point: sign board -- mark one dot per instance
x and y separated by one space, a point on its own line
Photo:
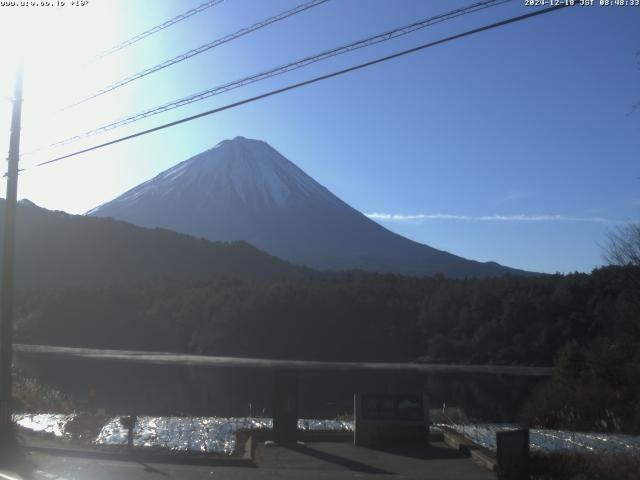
390 418
392 407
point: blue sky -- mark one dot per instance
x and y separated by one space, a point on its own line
516 145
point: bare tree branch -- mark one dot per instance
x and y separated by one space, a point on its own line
623 246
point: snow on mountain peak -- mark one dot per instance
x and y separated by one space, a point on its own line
250 169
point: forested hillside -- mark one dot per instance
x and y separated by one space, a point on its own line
55 250
509 320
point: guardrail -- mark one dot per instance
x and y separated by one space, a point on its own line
167 358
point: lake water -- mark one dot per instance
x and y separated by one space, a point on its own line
186 434
217 435
554 440
154 390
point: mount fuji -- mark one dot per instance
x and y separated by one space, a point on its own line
244 189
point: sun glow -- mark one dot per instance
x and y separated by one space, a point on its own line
58 45
56 42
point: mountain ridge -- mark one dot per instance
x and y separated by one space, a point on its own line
59 250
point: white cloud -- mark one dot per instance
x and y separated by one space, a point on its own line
401 217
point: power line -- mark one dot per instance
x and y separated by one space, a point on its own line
137 38
375 39
281 16
203 48
313 80
157 28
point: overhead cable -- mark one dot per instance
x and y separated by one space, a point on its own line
309 82
375 39
202 48
158 28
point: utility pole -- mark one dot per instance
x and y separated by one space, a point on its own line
6 298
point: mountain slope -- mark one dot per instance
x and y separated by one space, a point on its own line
245 190
55 249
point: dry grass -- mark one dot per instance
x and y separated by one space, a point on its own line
31 396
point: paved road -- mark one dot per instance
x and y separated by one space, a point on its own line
313 461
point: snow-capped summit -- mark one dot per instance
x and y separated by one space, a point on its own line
244 189
249 170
